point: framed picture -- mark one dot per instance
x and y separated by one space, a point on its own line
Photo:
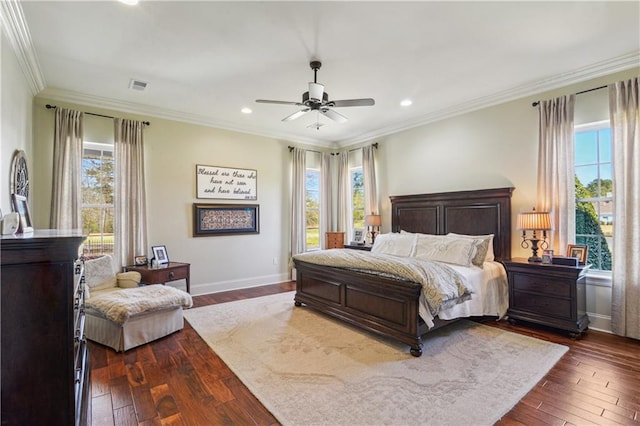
358 236
577 251
160 254
225 219
21 206
547 257
140 260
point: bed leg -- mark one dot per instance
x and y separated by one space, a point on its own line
416 350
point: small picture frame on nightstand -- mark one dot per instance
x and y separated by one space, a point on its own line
547 257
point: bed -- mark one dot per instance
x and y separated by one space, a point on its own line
389 306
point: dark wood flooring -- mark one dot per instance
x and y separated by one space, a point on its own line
179 380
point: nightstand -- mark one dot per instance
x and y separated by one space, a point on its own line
551 295
364 247
163 273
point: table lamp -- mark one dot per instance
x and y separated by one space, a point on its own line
534 221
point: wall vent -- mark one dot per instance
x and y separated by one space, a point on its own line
137 84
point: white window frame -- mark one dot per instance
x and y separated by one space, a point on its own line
596 277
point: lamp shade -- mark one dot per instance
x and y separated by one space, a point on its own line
538 221
373 220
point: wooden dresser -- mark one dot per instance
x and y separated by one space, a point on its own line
335 240
45 362
552 295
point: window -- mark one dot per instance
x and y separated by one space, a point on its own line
594 192
312 209
357 197
98 178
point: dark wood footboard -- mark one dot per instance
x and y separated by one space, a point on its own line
381 305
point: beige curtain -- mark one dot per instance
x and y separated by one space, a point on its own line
66 194
625 126
556 179
370 180
130 211
298 192
345 209
326 204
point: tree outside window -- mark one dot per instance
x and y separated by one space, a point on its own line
594 194
312 209
98 179
357 198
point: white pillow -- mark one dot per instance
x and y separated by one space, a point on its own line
490 256
99 273
441 248
395 244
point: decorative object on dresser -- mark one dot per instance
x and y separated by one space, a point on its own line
45 360
335 240
534 221
122 315
19 175
358 236
373 222
389 306
171 271
552 295
579 252
21 206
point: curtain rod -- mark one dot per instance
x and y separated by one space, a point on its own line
375 145
536 103
97 115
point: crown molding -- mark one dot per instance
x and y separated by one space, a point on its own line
17 32
68 96
599 69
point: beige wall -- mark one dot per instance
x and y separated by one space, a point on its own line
15 119
172 150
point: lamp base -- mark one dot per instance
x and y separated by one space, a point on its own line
534 259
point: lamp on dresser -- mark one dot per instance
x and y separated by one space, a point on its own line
373 222
535 222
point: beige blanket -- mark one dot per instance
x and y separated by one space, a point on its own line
442 286
120 304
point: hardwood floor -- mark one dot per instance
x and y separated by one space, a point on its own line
179 380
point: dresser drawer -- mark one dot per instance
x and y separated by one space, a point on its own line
541 284
541 304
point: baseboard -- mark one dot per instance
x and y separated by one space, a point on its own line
208 288
599 322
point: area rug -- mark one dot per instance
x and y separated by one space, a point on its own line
308 369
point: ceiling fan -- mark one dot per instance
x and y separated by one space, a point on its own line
316 99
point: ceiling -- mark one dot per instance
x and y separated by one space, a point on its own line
206 60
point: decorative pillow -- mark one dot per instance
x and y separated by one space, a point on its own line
99 273
129 279
441 248
395 244
489 237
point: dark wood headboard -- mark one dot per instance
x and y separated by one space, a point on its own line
479 212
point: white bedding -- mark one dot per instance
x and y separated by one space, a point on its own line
490 294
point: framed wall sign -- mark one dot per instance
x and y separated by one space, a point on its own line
225 219
225 183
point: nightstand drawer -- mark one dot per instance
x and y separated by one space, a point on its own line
543 305
541 284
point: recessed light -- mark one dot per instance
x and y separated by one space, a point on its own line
129 2
246 110
406 102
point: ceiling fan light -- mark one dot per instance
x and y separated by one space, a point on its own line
316 90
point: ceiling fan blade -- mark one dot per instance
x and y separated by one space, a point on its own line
333 115
266 101
296 114
352 102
